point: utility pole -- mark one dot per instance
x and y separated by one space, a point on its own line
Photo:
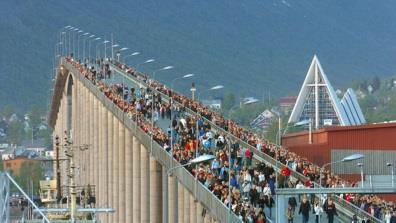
58 173
72 186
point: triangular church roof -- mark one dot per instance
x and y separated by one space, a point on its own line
317 77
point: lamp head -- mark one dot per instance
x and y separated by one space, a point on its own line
149 61
389 164
216 87
303 122
167 68
202 158
188 75
353 157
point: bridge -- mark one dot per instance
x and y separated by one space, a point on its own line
126 161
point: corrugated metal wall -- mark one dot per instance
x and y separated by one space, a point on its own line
377 142
374 162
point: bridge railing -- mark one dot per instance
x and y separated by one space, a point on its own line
211 203
259 155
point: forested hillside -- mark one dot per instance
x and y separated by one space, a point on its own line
253 47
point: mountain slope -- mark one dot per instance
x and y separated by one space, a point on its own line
251 47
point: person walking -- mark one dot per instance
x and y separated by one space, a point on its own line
305 208
330 209
289 214
318 210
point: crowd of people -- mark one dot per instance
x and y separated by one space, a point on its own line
192 134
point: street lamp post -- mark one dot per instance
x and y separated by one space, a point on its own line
361 165
197 160
171 104
145 62
89 47
119 53
305 122
74 41
392 172
152 105
78 44
85 37
104 42
217 87
130 55
349 158
112 50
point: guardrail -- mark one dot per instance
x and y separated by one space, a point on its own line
258 155
217 208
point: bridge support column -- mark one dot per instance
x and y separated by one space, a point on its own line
96 148
193 210
105 148
155 191
91 140
116 182
200 218
110 150
165 196
180 202
145 185
121 172
100 193
186 205
136 180
85 136
128 176
172 204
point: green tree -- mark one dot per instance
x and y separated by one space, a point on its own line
30 172
35 117
376 83
272 130
7 111
15 132
228 101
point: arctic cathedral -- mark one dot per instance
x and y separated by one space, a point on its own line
318 103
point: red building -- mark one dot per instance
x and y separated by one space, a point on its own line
376 141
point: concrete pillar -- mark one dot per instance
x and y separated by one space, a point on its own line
121 172
193 210
155 191
145 185
101 182
128 176
180 202
136 180
165 196
90 137
172 197
115 169
91 140
96 147
207 218
105 141
186 206
200 218
110 150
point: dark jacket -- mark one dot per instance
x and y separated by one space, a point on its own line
305 208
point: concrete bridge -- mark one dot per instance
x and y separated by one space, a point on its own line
128 168
127 175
